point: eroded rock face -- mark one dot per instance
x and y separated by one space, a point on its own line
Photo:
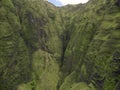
118 3
43 47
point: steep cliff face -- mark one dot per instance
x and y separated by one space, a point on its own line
43 47
92 54
14 54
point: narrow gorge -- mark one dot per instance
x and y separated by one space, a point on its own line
74 47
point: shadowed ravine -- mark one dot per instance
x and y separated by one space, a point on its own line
43 47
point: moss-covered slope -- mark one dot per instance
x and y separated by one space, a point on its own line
43 47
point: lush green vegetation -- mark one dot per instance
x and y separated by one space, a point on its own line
43 47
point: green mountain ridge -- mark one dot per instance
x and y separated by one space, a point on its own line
43 47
